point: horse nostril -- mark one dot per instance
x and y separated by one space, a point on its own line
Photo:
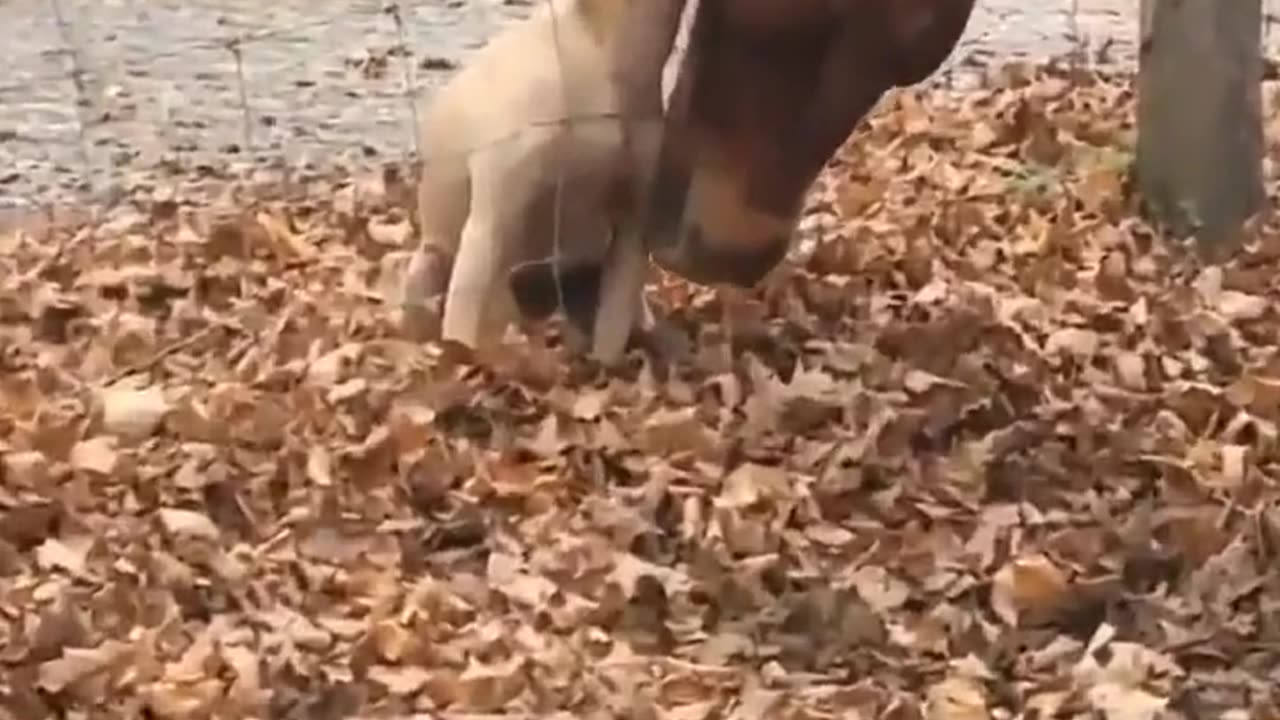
705 262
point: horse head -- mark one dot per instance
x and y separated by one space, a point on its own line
766 93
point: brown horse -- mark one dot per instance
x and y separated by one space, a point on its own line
767 92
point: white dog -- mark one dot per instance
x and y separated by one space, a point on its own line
533 169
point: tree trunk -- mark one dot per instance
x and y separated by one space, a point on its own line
1200 142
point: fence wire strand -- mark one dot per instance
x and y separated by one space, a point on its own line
269 98
407 75
76 75
562 73
235 47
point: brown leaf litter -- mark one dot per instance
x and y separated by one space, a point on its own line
988 449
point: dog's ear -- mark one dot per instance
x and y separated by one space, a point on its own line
533 285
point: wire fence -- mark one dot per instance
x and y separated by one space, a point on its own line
97 94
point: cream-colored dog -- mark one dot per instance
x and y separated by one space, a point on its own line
534 164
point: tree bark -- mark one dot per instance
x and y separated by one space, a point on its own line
1200 143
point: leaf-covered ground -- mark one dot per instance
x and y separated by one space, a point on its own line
988 448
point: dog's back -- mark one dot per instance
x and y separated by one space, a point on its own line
513 96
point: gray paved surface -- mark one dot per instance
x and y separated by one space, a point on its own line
321 78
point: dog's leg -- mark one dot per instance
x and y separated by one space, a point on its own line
641 52
422 290
625 309
475 271
471 308
622 302
637 69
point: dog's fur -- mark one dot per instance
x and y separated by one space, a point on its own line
530 178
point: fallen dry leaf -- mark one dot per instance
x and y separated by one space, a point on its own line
986 447
188 524
132 413
96 455
1028 587
956 698
79 664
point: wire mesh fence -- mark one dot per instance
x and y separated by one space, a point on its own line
97 93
